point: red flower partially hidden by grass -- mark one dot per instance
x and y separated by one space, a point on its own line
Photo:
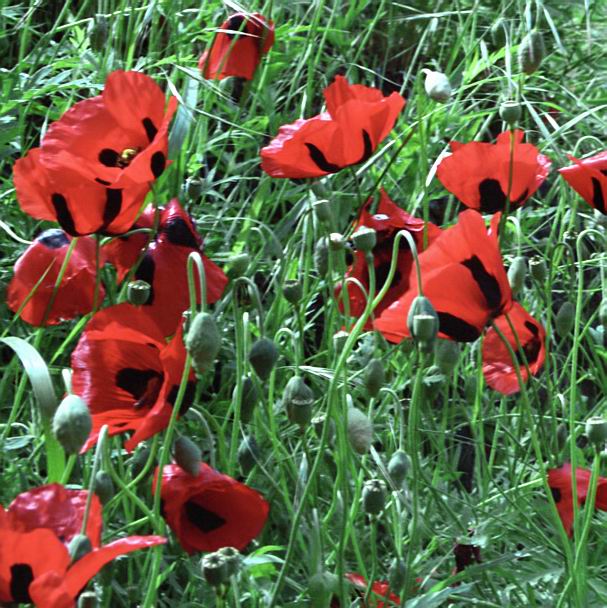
127 374
560 481
211 510
95 164
379 591
42 260
164 264
588 177
357 120
35 565
238 47
498 368
479 174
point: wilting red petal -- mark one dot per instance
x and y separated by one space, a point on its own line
588 177
479 174
212 510
44 258
237 50
379 588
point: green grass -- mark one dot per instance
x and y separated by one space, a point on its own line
313 479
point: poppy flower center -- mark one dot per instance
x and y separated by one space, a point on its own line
22 576
143 384
121 160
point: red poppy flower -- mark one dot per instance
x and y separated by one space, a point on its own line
164 264
379 590
95 164
43 260
35 565
357 120
464 278
388 220
211 510
498 367
588 177
478 173
127 374
560 481
238 47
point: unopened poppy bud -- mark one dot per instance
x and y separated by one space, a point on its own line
138 292
427 324
446 355
339 340
538 269
140 459
298 400
510 112
498 33
565 319
98 32
249 397
292 291
321 256
187 455
603 313
397 574
263 357
248 454
72 423
360 431
203 341
437 86
517 273
233 559
399 466
323 211
364 239
531 52
88 599
103 487
321 586
596 430
79 546
214 569
239 264
374 496
562 434
194 187
374 377
336 241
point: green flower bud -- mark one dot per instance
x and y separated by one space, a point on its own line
517 273
425 328
397 574
364 239
437 86
336 241
510 112
233 559
72 423
374 377
339 340
139 460
248 454
248 399
432 382
103 487
323 211
360 431
203 341
321 587
194 187
531 52
88 599
98 32
292 291
214 569
321 256
374 496
603 313
596 430
538 269
498 33
446 355
263 357
79 546
399 466
298 400
138 292
565 318
187 455
239 264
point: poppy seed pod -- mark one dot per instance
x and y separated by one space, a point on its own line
233 559
538 269
446 355
187 455
292 291
531 52
138 292
298 399
321 255
203 341
596 431
510 112
72 423
88 599
498 33
365 239
214 569
428 323
263 357
336 241
437 86
517 273
103 487
79 546
360 431
565 319
374 377
374 496
239 264
248 399
248 454
399 466
603 313
397 574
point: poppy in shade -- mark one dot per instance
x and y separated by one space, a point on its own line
465 555
96 163
464 278
35 565
478 173
164 264
43 260
379 591
560 481
498 368
127 374
211 510
357 120
238 47
387 221
588 177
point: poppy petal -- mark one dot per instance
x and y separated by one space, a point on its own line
588 177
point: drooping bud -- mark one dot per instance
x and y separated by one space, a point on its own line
72 423
531 52
214 569
138 292
517 273
374 377
298 400
98 32
248 454
79 546
239 264
374 496
397 574
510 112
233 559
360 431
538 269
323 211
446 355
498 33
139 460
399 466
263 357
249 397
437 86
364 239
103 487
203 341
292 291
565 319
187 455
596 431
321 256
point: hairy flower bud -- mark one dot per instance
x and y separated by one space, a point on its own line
321 256
248 399
187 455
248 454
565 319
298 400
538 269
531 52
263 357
360 431
103 487
399 466
79 546
437 86
239 264
139 460
446 355
498 33
374 496
517 273
72 423
203 341
374 377
397 574
292 291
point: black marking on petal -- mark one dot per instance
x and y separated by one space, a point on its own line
235 23
143 384
22 576
179 232
368 148
158 164
598 200
53 238
532 327
188 397
486 282
102 181
319 159
113 205
109 157
206 521
150 129
145 272
556 494
457 328
64 217
492 197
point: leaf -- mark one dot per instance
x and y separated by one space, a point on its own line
436 599
185 115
